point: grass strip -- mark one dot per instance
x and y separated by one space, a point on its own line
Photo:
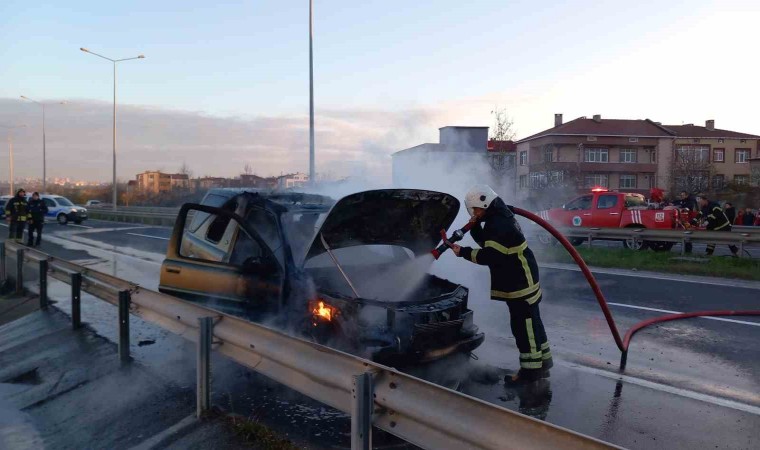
716 266
255 433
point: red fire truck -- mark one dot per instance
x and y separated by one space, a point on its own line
602 208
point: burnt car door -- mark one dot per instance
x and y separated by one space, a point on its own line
216 258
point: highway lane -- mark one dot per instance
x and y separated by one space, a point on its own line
690 383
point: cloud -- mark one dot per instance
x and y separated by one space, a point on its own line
79 140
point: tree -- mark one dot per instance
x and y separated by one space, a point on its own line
248 170
552 179
502 159
185 170
691 169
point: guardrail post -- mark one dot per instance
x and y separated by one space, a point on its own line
361 412
76 300
203 378
20 271
43 284
3 275
124 327
683 246
741 249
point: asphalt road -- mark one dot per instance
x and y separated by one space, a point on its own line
688 384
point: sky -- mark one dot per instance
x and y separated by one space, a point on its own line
226 83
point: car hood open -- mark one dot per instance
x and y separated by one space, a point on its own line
406 217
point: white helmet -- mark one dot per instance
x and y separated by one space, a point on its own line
479 196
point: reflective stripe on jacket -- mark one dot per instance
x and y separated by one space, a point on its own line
17 209
716 218
514 271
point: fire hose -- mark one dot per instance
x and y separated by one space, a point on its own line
623 344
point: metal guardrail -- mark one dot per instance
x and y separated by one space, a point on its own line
739 238
425 414
148 218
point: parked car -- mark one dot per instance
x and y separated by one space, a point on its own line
91 203
602 208
62 209
337 273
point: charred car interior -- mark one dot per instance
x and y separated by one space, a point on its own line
350 274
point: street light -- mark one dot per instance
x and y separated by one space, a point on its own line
44 152
10 150
311 93
114 61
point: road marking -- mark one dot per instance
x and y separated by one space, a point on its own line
80 226
666 311
156 441
149 236
671 390
713 281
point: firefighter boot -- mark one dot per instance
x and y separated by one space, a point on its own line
523 377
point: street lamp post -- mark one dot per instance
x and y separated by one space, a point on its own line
114 61
311 93
10 151
44 151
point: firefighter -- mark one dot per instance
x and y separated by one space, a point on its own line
716 221
514 278
686 201
37 211
17 212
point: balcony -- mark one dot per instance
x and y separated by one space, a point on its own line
614 167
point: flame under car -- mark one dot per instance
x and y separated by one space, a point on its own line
351 274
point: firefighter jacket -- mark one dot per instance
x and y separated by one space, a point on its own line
514 271
716 218
37 210
17 209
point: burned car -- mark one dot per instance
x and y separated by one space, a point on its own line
350 274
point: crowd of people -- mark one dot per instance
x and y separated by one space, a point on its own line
743 216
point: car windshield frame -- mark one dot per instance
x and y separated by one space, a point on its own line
298 241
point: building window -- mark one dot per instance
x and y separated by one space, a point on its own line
597 155
548 154
719 155
693 153
741 180
628 181
594 180
591 138
524 158
742 155
653 156
720 141
628 155
743 141
633 139
537 180
719 181
523 181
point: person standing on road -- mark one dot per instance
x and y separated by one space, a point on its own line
716 221
16 213
730 211
686 201
749 217
37 211
514 278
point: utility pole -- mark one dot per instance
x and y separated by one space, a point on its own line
311 93
10 151
44 150
114 61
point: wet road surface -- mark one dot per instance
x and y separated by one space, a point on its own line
688 384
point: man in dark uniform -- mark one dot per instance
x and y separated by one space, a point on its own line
16 212
514 278
686 201
716 221
37 211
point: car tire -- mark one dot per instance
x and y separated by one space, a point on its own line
62 219
577 241
635 244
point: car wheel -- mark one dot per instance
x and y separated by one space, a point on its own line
576 241
635 243
62 219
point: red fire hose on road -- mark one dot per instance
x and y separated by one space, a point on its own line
624 343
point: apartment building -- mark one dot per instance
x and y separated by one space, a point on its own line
158 182
706 157
293 180
585 153
634 155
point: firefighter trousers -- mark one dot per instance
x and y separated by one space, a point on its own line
16 229
529 333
